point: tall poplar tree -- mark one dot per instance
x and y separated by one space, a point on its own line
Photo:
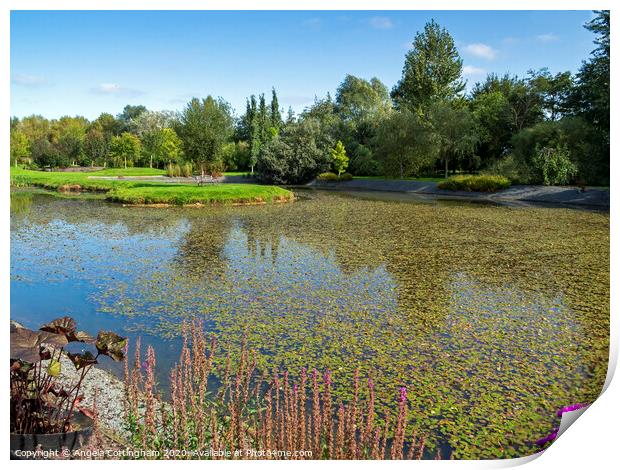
432 70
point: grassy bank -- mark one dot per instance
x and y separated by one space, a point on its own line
148 192
179 194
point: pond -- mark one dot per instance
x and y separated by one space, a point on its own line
493 317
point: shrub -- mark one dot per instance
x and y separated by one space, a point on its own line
327 176
509 167
554 165
479 183
296 156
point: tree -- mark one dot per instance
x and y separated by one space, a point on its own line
20 147
96 145
358 99
274 114
264 123
590 98
361 104
339 158
109 125
129 114
432 70
404 144
554 90
554 165
454 130
125 150
171 146
68 135
295 156
493 116
204 127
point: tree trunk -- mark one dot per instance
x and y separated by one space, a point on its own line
445 159
402 171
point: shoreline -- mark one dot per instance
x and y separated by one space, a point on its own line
555 195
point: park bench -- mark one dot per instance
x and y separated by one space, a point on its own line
202 179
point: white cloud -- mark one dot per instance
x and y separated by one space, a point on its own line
481 50
548 37
115 89
28 80
473 71
381 22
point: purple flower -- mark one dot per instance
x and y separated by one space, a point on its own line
551 436
566 409
403 395
327 378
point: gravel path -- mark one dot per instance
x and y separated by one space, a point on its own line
564 195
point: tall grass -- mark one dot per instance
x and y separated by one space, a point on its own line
255 414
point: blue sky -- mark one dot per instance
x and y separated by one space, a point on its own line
85 63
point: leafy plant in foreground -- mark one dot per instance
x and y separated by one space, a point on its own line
40 404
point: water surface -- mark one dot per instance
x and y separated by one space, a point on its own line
493 317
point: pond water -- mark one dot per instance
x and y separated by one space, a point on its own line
493 317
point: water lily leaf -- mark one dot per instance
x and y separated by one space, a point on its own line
81 360
110 344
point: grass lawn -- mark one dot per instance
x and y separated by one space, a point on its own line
148 192
180 194
137 171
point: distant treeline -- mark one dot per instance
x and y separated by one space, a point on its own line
540 128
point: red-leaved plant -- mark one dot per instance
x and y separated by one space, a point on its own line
40 403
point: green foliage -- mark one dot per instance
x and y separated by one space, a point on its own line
454 131
432 70
554 165
510 168
204 127
404 144
296 156
340 161
479 183
125 150
20 148
362 162
329 176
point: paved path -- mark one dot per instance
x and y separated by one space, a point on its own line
566 195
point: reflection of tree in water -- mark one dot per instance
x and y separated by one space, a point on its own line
21 202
